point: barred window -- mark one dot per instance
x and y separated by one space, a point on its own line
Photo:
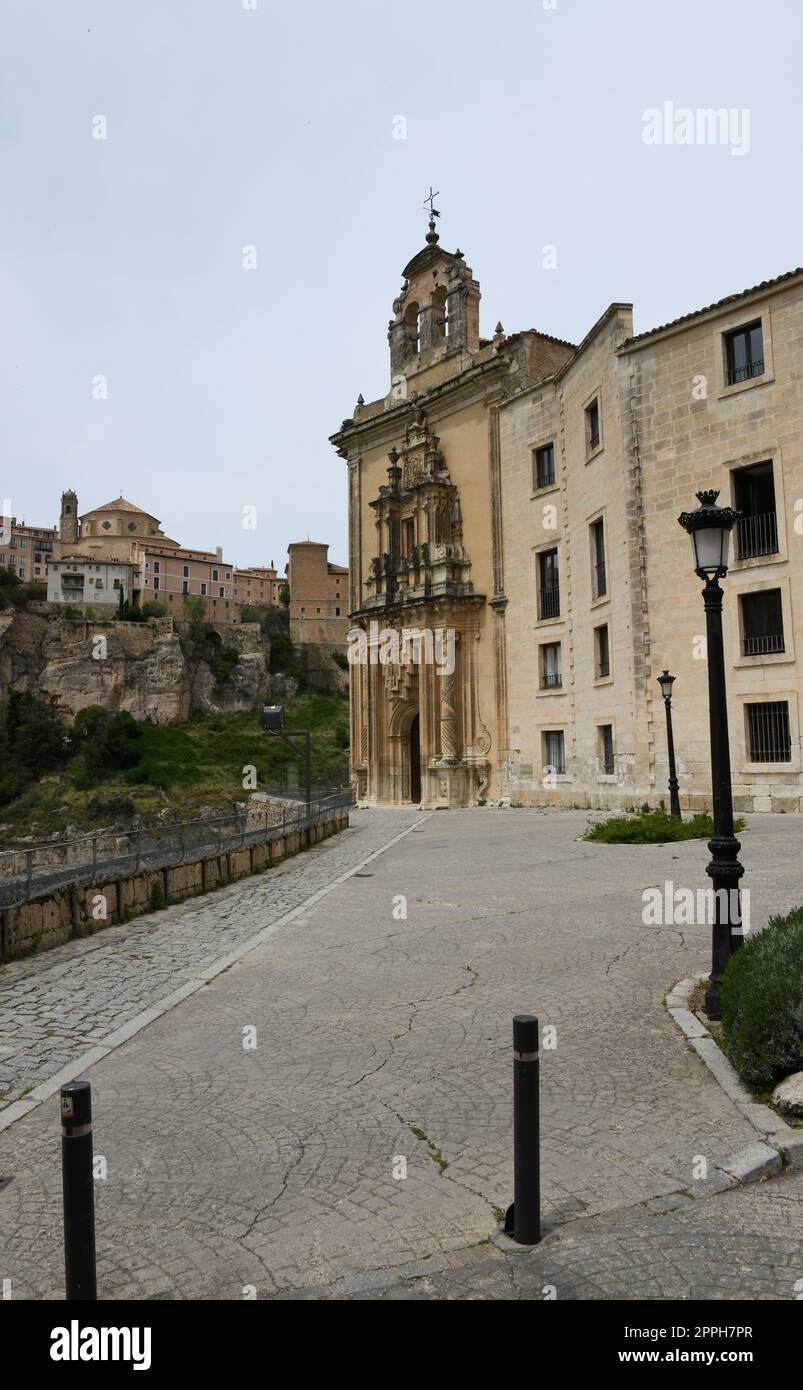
768 736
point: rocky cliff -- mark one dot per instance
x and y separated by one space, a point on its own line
138 667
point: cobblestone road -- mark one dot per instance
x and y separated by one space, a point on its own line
379 1038
54 1007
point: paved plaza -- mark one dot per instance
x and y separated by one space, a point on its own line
302 1083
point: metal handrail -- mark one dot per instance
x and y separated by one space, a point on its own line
89 868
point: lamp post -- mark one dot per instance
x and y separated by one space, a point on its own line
666 682
709 528
273 723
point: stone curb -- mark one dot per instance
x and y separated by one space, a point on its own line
778 1144
19 1108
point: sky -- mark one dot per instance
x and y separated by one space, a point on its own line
144 144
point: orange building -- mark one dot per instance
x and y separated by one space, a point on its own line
258 585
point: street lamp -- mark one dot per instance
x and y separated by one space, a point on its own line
666 682
709 528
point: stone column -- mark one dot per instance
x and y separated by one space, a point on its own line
448 717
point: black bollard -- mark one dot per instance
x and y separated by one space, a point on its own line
79 1191
523 1219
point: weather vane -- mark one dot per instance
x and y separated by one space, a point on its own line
430 203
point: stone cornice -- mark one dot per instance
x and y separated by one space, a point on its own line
438 400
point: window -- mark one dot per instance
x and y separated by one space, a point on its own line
185 586
186 571
337 612
592 426
411 328
602 656
744 353
768 738
754 495
408 532
606 749
554 755
203 587
762 623
551 675
548 585
544 466
215 576
440 314
156 566
156 582
599 580
222 591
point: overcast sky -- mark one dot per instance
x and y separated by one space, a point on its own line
230 126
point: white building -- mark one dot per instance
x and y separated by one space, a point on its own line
76 579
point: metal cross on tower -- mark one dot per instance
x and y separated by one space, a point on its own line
430 203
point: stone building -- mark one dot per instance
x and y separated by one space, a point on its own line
522 495
27 550
162 570
318 595
258 585
78 580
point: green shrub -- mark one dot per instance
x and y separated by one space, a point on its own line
110 742
35 738
222 666
340 659
762 1003
152 609
648 827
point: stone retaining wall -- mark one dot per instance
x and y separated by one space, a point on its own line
81 909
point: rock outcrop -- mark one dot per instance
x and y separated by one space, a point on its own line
138 667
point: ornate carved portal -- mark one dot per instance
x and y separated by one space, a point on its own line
417 693
419 718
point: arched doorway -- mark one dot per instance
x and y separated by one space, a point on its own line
415 761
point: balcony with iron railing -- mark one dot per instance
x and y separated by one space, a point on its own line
763 645
551 680
750 369
757 535
549 601
603 668
600 580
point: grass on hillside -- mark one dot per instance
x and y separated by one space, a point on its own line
192 766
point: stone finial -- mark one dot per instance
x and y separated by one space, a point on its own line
499 331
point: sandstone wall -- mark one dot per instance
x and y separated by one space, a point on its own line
72 911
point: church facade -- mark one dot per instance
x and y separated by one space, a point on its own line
517 576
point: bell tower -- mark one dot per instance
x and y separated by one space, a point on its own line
68 521
437 311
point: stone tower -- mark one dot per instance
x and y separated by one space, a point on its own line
68 522
436 313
